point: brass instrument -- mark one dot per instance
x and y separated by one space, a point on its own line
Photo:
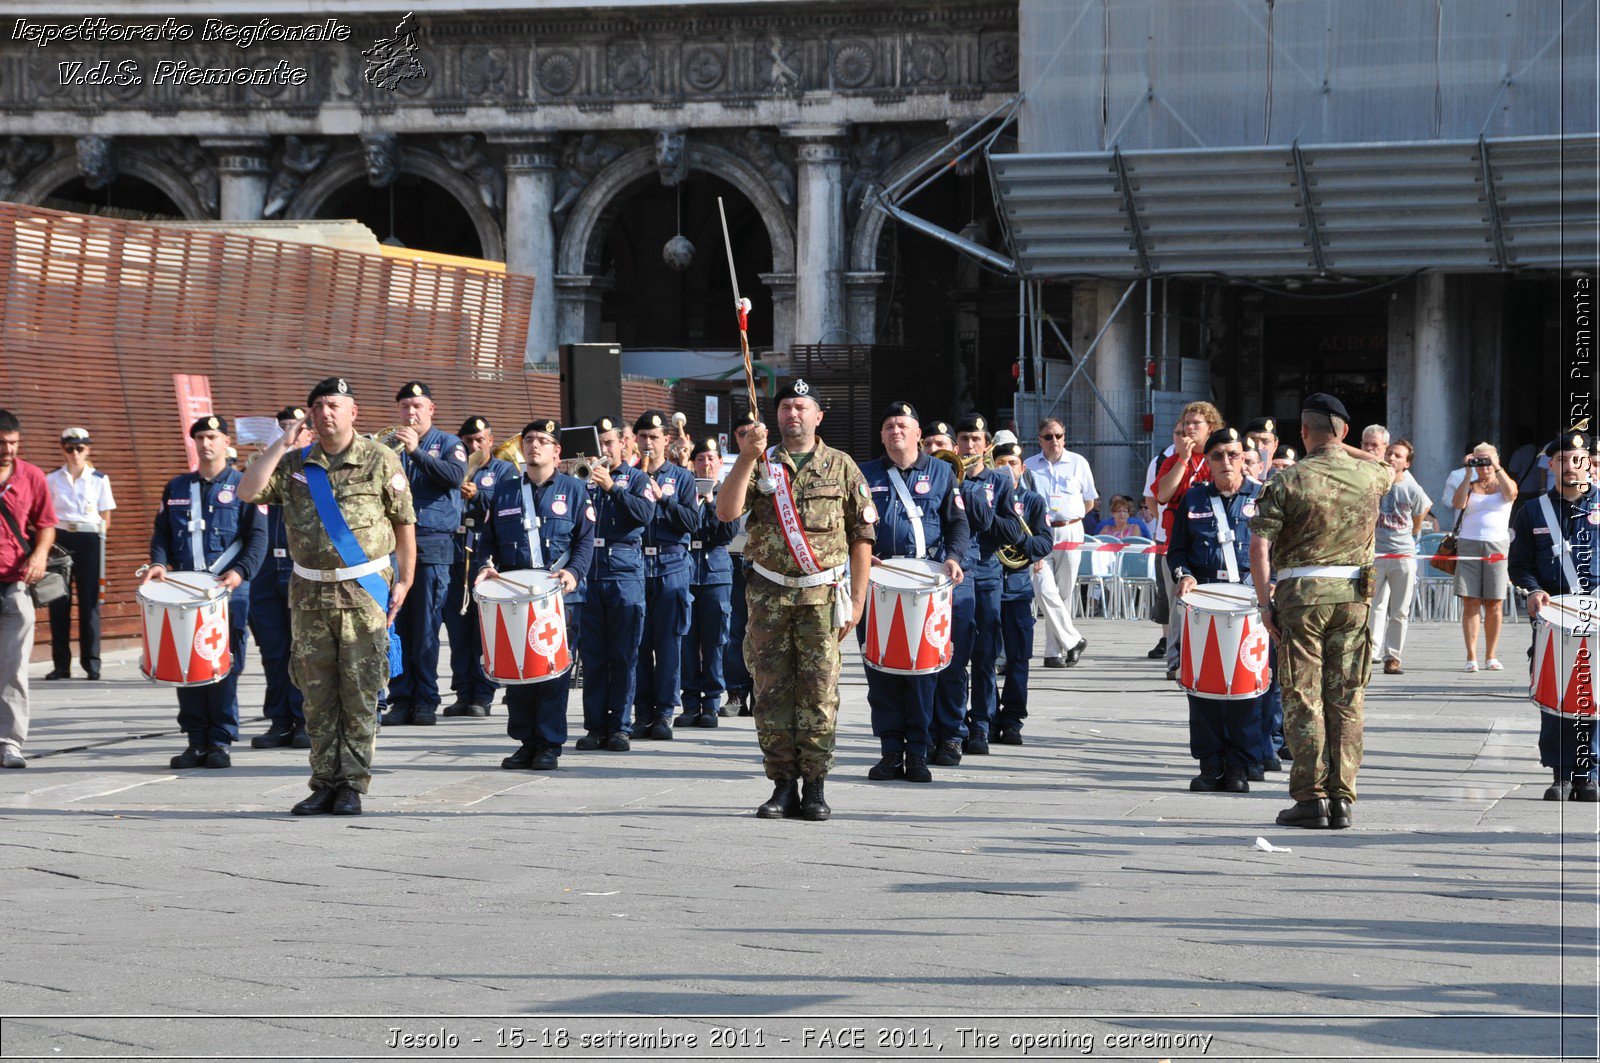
511 450
1012 559
972 463
389 437
954 460
477 460
579 467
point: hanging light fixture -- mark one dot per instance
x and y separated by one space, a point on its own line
392 240
678 252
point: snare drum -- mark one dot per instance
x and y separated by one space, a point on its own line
185 626
523 623
907 618
1562 683
1224 643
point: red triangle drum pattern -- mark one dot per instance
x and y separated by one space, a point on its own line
185 633
1562 682
1224 655
523 623
907 618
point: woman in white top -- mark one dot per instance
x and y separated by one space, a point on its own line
1483 499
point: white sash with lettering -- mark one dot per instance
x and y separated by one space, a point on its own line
794 533
1225 539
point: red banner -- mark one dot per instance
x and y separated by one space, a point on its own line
194 402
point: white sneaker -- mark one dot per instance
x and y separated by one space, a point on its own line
1472 666
1495 666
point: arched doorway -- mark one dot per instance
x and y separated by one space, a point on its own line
126 196
653 305
419 213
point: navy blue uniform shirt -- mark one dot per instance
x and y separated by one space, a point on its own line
225 518
938 506
436 470
620 517
1534 563
563 519
1194 548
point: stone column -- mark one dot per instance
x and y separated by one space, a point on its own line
781 285
1399 416
530 237
1118 371
1441 381
578 307
819 315
861 300
243 171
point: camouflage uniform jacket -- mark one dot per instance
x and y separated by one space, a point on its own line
373 494
1321 511
835 508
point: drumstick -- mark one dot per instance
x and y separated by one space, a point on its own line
1214 597
211 591
930 577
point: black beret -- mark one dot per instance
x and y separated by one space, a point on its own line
799 389
1261 424
291 413
705 446
1571 440
1221 436
607 424
1322 402
412 389
549 426
1284 454
650 419
209 423
473 425
333 385
971 422
1008 450
898 409
936 428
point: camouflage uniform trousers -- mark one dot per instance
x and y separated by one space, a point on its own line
792 652
1325 661
340 662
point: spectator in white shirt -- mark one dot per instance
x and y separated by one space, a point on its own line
1483 497
1067 484
82 497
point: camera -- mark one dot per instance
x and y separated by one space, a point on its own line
1478 463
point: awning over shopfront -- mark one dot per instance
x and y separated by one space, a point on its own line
1305 211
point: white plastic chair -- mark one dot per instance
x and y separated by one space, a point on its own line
1135 584
1097 572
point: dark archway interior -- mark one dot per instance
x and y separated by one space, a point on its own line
959 320
126 196
652 305
426 216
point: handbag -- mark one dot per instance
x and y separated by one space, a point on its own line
57 580
1445 553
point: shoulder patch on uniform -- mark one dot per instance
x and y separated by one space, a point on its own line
865 491
869 514
398 482
460 453
960 504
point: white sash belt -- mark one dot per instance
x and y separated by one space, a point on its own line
1329 571
339 575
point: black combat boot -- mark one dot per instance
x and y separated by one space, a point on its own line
917 769
1312 815
521 760
300 739
318 804
948 755
346 803
592 740
1584 789
1560 789
399 714
457 707
1339 813
892 766
1210 778
277 735
812 805
784 802
1235 780
547 759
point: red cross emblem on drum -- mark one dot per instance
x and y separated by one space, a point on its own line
546 636
209 641
937 629
1253 650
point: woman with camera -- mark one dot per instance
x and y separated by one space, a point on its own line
1483 502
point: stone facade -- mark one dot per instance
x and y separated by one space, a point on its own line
540 125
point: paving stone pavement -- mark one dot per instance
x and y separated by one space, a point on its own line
1071 891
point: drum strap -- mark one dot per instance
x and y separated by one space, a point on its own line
338 529
913 514
530 525
1225 539
197 537
794 533
1559 545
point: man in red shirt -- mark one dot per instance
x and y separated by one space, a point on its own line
1181 470
26 500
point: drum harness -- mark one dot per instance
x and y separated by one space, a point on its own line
530 525
197 538
1560 548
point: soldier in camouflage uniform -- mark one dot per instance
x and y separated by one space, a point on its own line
1314 524
340 656
799 614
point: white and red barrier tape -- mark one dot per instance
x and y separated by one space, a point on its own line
1161 548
